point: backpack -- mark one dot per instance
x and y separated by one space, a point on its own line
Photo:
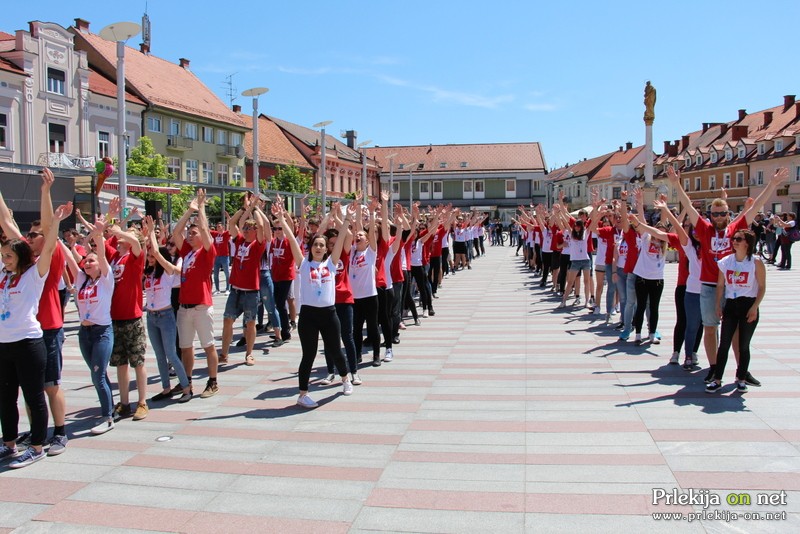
793 233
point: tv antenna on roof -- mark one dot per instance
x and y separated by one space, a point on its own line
231 90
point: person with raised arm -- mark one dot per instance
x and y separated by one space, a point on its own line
283 270
162 327
196 313
316 275
23 355
715 239
363 257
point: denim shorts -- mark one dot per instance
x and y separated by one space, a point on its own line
242 302
708 305
53 340
580 265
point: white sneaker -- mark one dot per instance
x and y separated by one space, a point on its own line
562 305
347 387
424 314
596 310
694 359
578 302
675 359
306 402
654 340
103 427
328 380
356 379
389 356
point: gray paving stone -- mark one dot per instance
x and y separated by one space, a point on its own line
13 515
437 521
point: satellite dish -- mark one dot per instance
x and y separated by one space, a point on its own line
239 151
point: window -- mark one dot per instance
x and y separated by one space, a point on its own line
779 145
467 189
438 190
443 165
56 81
742 152
174 166
154 123
688 161
698 182
424 190
208 172
236 139
728 154
537 185
699 159
102 144
479 189
401 166
57 137
222 173
191 170
712 182
685 184
395 190
761 149
208 134
713 157
3 126
616 193
191 130
174 127
797 173
463 164
511 188
675 166
237 174
222 137
726 180
740 179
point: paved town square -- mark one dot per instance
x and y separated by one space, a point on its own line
499 414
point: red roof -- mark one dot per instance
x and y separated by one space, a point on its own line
101 85
587 167
6 36
619 158
7 66
274 147
449 158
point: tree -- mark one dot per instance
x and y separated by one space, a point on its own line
144 161
291 180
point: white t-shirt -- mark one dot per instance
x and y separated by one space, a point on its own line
579 248
19 304
650 264
362 273
416 253
740 276
600 252
460 234
567 238
547 239
622 250
176 280
317 283
158 291
693 281
94 297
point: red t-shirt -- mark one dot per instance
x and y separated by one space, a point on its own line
558 239
715 245
222 242
396 268
126 304
437 240
246 268
282 261
380 275
630 238
607 233
407 251
344 295
49 315
196 275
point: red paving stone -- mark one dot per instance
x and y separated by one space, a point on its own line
214 523
117 516
37 491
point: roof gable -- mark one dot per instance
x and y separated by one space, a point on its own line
465 157
310 138
274 147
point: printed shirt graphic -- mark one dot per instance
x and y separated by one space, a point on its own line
362 273
282 261
50 304
19 302
128 271
94 298
714 245
740 276
196 275
245 271
317 283
158 291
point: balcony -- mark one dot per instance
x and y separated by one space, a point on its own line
177 142
230 151
62 160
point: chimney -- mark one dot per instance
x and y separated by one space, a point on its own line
767 118
739 132
705 127
82 25
237 108
620 149
184 63
797 110
144 48
742 114
723 129
684 142
351 136
788 101
667 145
628 146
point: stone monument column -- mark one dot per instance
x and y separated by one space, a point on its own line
649 117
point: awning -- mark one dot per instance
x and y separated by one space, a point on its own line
108 186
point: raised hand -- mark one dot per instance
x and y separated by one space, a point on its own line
660 204
114 208
385 196
63 211
47 178
673 175
780 175
201 197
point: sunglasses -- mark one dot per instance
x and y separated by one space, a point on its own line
170 244
738 239
275 229
719 213
32 235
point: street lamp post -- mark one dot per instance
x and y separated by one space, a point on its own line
391 157
411 185
255 92
119 32
323 177
363 166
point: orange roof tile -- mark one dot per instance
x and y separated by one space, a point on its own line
6 36
618 158
274 147
156 80
478 157
8 66
101 85
310 138
588 167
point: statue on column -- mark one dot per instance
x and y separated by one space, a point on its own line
649 103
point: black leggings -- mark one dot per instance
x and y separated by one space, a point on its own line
546 259
385 303
398 290
366 309
418 272
408 300
445 263
22 366
648 292
734 317
433 275
313 322
281 295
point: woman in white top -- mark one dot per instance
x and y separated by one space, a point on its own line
22 351
95 287
578 252
162 327
316 275
649 271
363 256
742 282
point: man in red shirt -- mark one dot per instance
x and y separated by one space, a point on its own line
246 276
222 246
49 314
196 312
715 244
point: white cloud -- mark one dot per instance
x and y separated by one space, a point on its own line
540 107
446 95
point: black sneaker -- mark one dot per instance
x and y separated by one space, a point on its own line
750 380
242 342
619 326
710 376
376 361
121 411
741 386
24 439
713 387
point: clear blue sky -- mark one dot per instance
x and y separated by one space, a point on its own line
569 75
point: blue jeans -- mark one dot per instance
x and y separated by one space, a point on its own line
222 263
162 329
611 290
630 300
622 283
96 343
268 301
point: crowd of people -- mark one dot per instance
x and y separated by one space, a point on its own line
721 279
315 275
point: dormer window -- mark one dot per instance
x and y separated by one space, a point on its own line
742 152
728 154
463 164
443 165
688 161
401 166
761 149
713 157
779 145
699 160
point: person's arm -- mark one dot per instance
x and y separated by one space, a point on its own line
385 233
46 204
264 231
675 180
7 221
623 212
372 234
148 228
99 240
202 220
180 226
233 222
761 278
51 238
72 265
780 176
666 213
336 253
127 237
290 237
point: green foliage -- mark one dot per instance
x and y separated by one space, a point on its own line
144 161
180 201
350 196
290 179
